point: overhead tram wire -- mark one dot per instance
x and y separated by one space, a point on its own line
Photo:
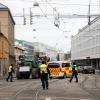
50 19
54 26
52 3
53 9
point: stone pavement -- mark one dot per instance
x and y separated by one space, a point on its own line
64 90
88 88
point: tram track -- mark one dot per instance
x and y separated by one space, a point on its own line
30 90
37 93
15 89
10 84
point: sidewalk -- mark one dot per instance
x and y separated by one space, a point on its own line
92 82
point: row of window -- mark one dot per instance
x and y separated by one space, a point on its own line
86 52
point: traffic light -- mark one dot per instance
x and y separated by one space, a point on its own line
31 19
24 21
24 18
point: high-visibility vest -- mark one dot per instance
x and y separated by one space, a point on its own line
43 68
10 69
75 67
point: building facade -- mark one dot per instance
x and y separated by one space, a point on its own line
26 46
38 49
6 39
4 54
18 52
85 46
45 50
7 28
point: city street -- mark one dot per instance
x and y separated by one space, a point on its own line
88 88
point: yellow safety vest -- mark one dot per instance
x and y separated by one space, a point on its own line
10 69
43 68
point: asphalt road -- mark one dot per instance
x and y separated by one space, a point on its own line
88 88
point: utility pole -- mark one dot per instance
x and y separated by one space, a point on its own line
89 21
99 7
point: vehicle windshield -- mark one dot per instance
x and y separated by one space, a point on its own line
65 64
53 65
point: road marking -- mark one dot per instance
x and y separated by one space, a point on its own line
86 99
48 99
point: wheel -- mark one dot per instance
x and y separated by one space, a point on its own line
64 76
50 77
18 76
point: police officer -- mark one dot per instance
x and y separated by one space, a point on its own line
74 72
44 74
10 73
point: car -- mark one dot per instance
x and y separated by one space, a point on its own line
81 68
88 70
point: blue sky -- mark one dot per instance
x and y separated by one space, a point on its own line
46 32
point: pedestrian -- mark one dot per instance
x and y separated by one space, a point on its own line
10 73
74 72
44 72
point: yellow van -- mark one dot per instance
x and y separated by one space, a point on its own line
61 69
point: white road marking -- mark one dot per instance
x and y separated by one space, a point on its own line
48 99
86 99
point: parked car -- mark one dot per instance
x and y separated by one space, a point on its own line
81 68
88 70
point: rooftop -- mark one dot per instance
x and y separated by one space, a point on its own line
3 6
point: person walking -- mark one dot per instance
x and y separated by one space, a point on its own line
74 72
44 74
10 73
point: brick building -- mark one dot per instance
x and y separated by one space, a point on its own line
4 54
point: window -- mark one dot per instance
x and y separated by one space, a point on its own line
65 64
53 65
